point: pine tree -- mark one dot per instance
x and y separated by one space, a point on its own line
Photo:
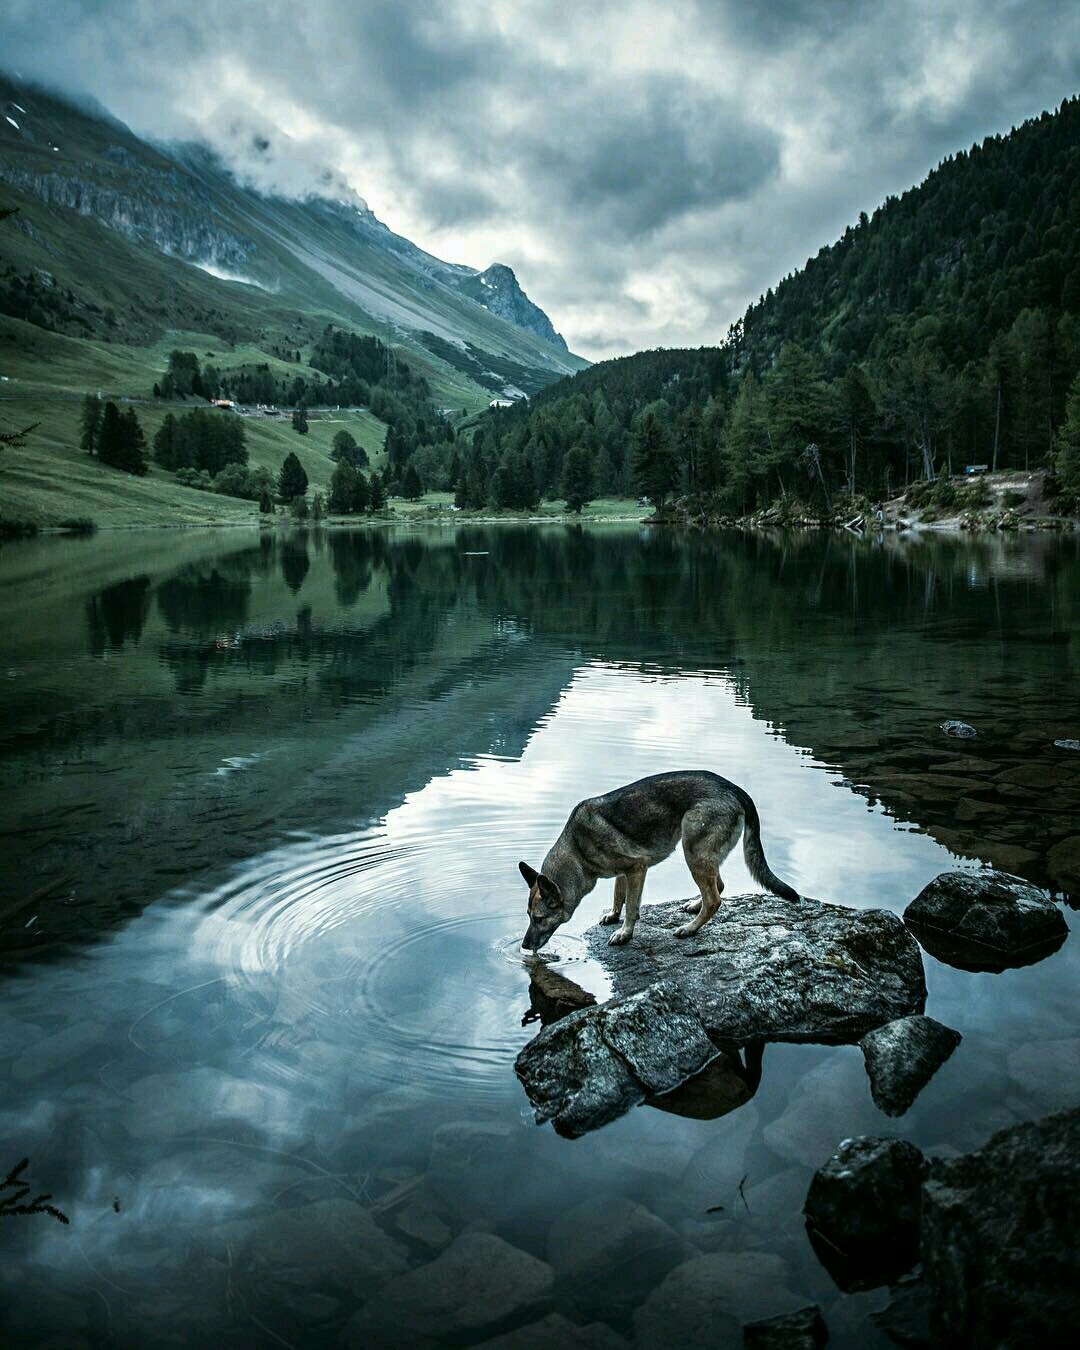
343 489
266 503
292 480
654 466
361 495
411 486
578 478
299 420
1067 459
110 436
91 423
166 444
132 444
377 494
317 508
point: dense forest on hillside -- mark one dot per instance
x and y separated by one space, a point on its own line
943 330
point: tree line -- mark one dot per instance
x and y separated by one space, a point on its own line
941 332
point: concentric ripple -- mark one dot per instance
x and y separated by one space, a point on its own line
388 951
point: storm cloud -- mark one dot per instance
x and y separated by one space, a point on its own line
648 167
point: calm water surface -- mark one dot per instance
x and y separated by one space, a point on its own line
261 996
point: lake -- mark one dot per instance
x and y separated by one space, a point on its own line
262 987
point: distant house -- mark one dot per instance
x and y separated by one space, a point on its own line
971 469
223 403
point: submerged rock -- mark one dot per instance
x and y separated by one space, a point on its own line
905 1319
705 1300
802 1330
1063 863
763 969
954 727
555 1332
862 1211
601 1249
478 1284
901 1058
985 921
998 1240
308 1246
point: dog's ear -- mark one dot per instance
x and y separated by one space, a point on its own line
549 890
529 873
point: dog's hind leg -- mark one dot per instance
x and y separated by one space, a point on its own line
635 884
708 837
709 885
615 913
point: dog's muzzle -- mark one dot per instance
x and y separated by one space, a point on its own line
533 941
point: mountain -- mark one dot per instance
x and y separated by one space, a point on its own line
943 330
991 231
92 192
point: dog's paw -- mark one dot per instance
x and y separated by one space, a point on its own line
687 930
620 937
692 906
608 919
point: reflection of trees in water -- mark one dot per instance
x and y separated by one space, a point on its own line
118 613
295 563
354 556
206 599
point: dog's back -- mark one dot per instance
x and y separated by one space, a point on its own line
651 816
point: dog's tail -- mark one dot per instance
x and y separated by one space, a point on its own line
755 855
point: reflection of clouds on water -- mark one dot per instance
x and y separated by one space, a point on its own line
338 993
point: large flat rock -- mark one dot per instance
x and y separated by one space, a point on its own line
766 969
763 969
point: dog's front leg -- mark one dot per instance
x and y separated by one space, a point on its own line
635 884
617 904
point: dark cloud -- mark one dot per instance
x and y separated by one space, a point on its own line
647 166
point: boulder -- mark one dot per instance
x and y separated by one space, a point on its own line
308 1246
998 1238
763 969
862 1211
901 1058
475 1166
556 1333
592 1066
705 1300
766 969
905 1319
478 1284
801 1330
985 921
601 1249
962 730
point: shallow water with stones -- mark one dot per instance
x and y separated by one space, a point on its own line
262 989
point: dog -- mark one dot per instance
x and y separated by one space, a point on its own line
625 832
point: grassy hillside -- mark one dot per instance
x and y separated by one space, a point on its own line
120 251
43 377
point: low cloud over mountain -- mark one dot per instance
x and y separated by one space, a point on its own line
646 168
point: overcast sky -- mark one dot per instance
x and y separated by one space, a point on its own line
647 167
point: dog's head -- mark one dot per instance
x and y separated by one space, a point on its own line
546 911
